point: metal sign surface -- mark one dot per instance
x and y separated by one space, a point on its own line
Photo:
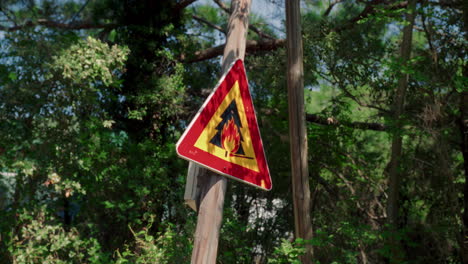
224 135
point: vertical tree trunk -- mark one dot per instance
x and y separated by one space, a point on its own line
66 213
213 186
463 124
398 109
297 128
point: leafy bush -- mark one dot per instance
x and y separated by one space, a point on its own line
288 252
43 240
165 247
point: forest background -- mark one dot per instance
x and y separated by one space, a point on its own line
95 94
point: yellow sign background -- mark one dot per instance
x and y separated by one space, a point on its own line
203 142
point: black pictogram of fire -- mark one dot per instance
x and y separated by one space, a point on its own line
229 136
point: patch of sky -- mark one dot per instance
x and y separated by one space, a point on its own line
269 10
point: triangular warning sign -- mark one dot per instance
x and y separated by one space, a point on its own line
224 135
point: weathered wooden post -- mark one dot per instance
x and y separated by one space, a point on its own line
297 128
213 186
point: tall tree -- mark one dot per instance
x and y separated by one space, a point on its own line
297 128
463 124
395 172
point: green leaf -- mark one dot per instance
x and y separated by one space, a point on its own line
12 76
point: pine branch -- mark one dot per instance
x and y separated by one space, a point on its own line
79 11
330 121
9 15
361 103
330 7
183 4
251 27
55 24
260 33
369 10
208 23
222 6
273 44
252 46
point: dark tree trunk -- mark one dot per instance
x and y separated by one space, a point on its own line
463 124
396 150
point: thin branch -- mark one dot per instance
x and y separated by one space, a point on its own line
264 45
348 93
252 46
328 188
359 102
368 11
222 6
448 3
8 14
260 33
205 54
351 189
330 7
450 38
183 4
429 40
54 24
208 23
273 44
265 122
323 76
331 121
79 11
251 27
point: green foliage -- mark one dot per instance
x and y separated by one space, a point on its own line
166 247
235 248
89 119
288 252
43 240
91 61
350 236
67 187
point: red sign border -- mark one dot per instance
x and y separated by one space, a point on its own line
186 145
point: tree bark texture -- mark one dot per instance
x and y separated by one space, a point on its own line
213 186
395 174
210 216
463 124
237 33
297 128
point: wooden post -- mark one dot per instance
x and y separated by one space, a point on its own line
192 187
212 185
297 128
210 216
